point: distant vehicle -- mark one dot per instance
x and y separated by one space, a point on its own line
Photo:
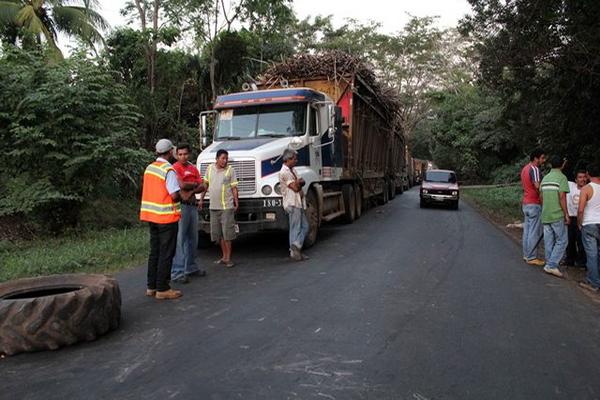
440 186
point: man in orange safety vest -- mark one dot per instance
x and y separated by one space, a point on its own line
161 209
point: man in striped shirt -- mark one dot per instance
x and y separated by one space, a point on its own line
555 215
532 207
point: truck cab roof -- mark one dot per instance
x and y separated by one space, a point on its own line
290 95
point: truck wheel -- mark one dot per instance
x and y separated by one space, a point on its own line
314 219
204 241
53 311
349 203
359 201
392 190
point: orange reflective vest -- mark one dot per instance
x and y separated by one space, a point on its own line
157 204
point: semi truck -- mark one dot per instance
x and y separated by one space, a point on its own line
349 151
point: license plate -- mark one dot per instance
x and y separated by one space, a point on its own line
272 203
271 216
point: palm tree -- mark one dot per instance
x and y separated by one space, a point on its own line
46 18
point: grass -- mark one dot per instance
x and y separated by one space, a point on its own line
502 204
95 251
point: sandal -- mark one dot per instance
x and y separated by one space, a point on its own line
219 261
229 264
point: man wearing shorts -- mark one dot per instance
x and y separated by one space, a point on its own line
222 189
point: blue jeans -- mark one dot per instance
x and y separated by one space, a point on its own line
556 239
184 262
532 230
590 235
298 226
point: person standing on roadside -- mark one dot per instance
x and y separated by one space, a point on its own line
190 181
532 207
293 203
222 189
161 209
575 251
555 215
588 218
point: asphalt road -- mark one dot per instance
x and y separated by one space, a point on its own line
403 304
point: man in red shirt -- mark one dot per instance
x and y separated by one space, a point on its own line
184 262
532 207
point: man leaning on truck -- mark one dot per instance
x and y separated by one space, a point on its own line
293 203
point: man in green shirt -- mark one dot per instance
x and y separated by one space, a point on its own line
555 216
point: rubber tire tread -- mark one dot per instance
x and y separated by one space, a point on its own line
54 321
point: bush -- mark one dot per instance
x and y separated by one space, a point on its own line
67 134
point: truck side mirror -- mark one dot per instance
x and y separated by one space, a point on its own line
203 136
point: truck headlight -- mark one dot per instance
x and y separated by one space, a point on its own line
454 193
278 188
424 191
267 190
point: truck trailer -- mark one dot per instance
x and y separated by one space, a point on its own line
349 149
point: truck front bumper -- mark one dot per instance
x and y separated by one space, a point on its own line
253 215
439 198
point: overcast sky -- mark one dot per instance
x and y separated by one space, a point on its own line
392 14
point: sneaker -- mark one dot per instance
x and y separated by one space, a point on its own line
150 292
168 294
537 262
588 286
553 271
295 252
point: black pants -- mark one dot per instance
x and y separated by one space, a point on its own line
163 242
575 251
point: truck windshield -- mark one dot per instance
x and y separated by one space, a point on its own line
440 176
273 120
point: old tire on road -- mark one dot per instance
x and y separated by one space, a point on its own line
49 312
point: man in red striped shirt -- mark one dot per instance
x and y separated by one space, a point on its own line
532 207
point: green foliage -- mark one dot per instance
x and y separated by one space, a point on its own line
29 21
92 252
463 133
502 203
543 60
68 133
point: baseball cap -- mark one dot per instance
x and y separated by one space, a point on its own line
163 146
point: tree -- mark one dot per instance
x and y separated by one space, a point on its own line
68 132
543 59
31 20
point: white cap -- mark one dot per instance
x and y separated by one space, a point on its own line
163 146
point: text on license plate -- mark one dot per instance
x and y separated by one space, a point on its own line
272 203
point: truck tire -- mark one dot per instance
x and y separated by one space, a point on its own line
392 190
359 201
49 312
313 214
349 203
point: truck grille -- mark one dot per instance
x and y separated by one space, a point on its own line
246 174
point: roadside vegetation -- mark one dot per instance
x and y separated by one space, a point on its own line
102 251
501 204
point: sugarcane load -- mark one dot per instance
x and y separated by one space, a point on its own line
340 120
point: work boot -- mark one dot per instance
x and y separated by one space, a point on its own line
168 294
295 253
536 262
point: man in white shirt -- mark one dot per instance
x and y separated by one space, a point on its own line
575 252
294 203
